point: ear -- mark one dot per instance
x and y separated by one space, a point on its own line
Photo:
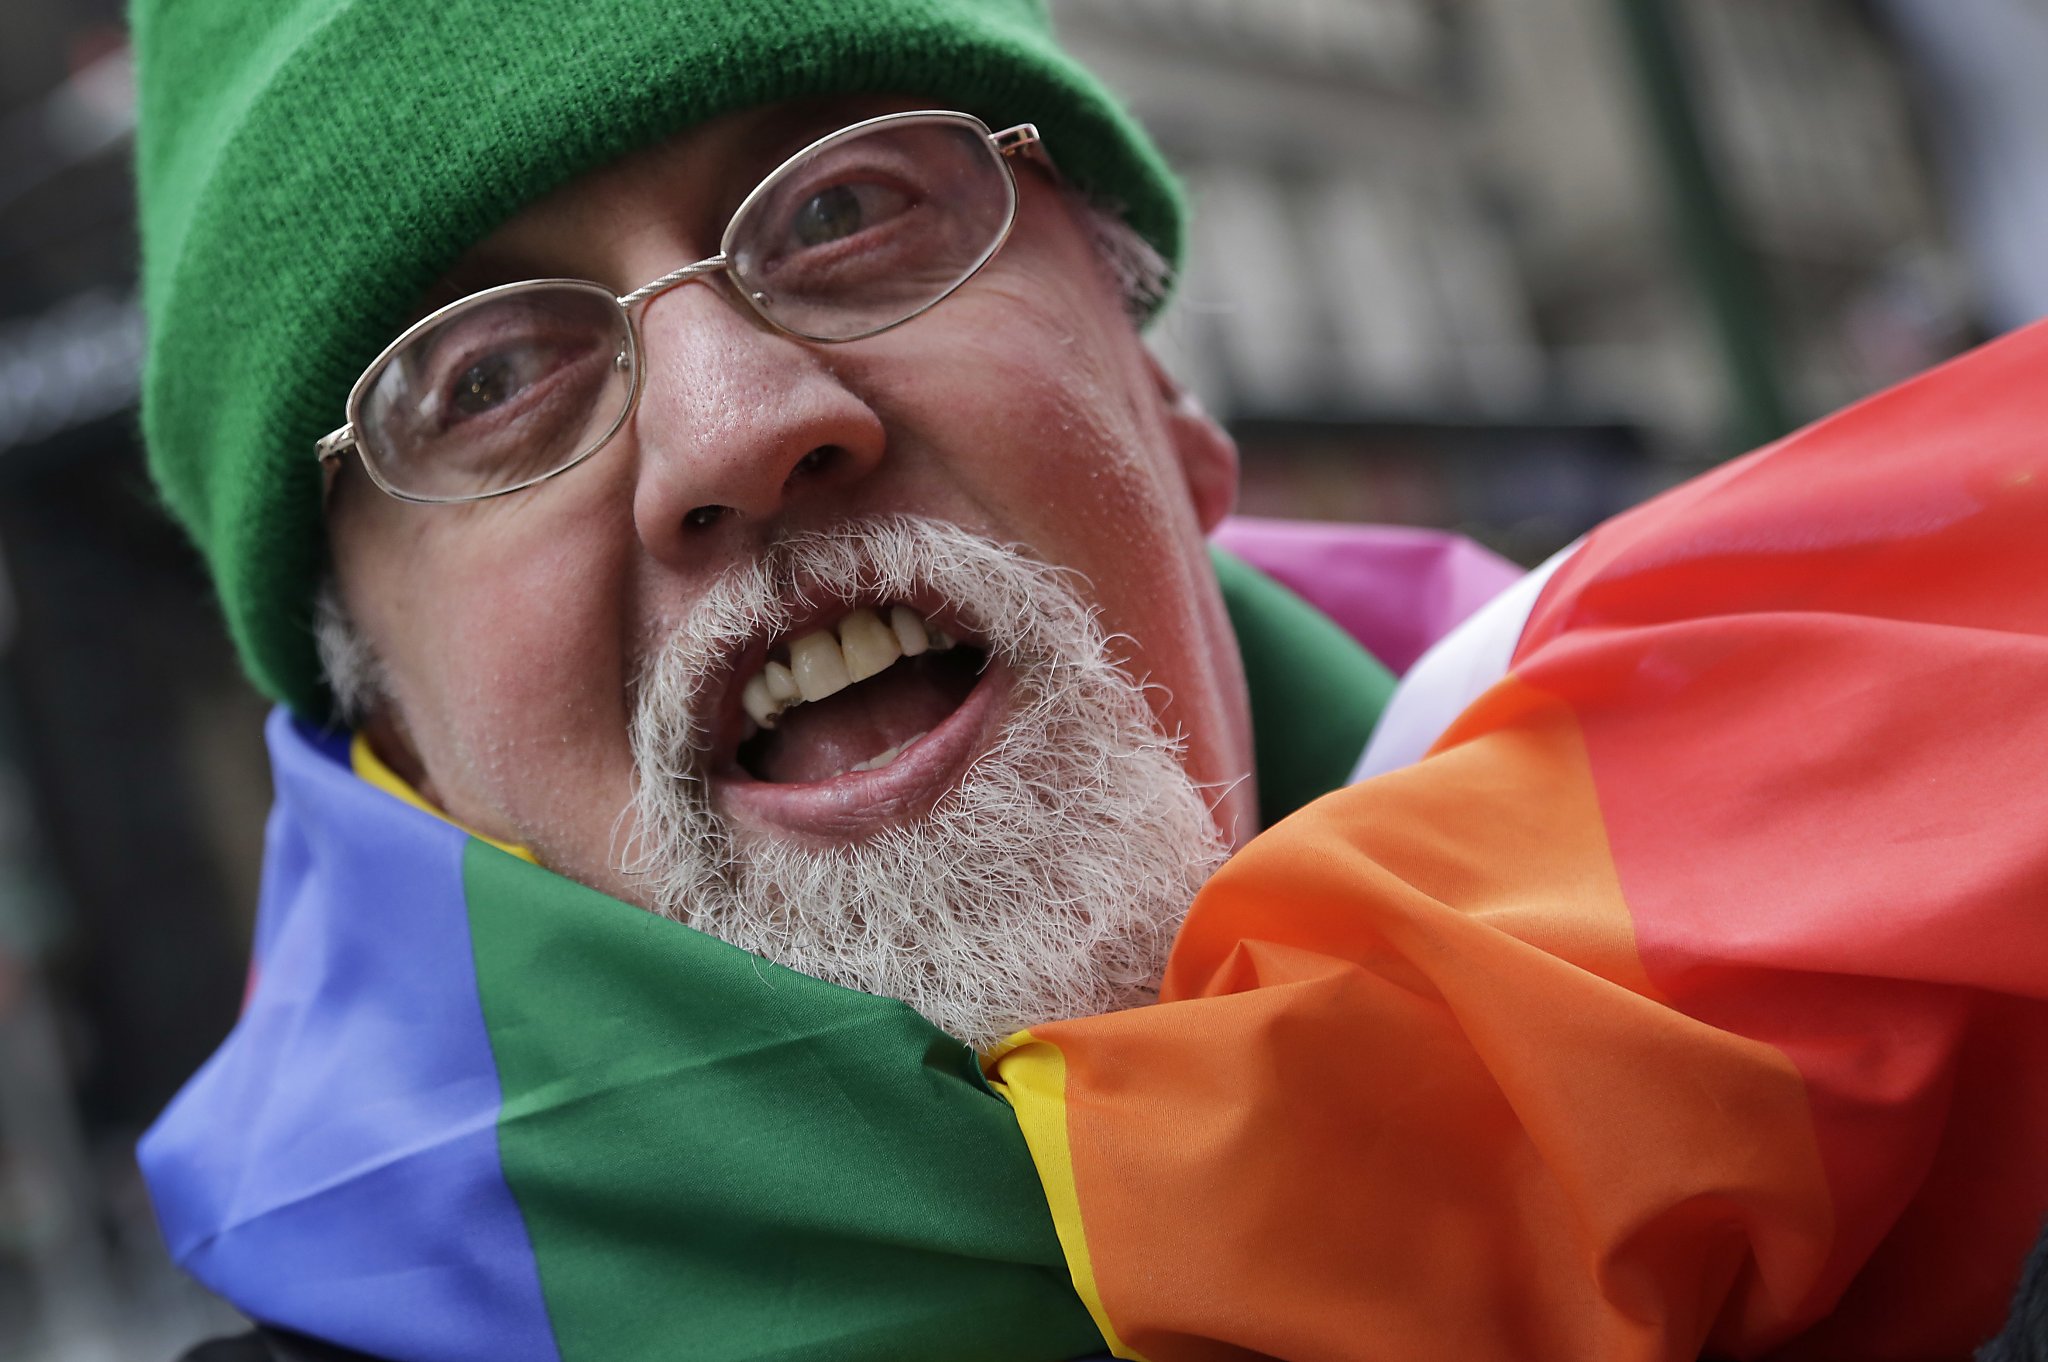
1207 455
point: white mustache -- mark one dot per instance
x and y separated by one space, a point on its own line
1004 595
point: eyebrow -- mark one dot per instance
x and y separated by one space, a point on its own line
474 273
779 135
788 129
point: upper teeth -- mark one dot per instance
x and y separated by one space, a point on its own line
827 661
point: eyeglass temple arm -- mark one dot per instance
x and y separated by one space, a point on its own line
335 444
1023 140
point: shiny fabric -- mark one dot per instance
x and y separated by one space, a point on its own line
1689 996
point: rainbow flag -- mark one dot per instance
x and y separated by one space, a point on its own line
1677 983
1674 982
474 1112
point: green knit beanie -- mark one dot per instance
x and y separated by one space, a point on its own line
308 167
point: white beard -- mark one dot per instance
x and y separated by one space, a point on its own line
1049 884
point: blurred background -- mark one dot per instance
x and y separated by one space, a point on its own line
1505 266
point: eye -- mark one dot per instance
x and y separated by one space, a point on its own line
500 377
844 210
490 382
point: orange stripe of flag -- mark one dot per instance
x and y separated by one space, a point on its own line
1413 1096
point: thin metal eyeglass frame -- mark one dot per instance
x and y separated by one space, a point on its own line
332 448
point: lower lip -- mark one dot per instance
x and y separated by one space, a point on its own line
857 803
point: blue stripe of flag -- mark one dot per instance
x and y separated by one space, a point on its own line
334 1167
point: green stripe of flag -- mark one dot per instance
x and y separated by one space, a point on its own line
721 1159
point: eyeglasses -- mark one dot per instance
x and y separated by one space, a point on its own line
857 233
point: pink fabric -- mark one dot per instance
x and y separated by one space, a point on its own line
1394 588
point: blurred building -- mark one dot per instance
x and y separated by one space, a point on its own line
1979 65
1448 266
130 792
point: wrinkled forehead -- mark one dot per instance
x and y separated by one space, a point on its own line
686 186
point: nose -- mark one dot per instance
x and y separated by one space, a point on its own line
738 426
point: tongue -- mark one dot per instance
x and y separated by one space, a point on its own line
819 740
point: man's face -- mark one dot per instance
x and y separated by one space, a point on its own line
519 636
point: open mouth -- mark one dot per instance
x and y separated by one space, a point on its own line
867 716
852 696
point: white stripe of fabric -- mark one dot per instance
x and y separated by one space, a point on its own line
1459 668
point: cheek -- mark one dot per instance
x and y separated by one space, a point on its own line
526 646
1044 413
511 664
1056 430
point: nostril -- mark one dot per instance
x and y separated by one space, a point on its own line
817 461
702 517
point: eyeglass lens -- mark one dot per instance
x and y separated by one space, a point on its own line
865 230
858 233
498 393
